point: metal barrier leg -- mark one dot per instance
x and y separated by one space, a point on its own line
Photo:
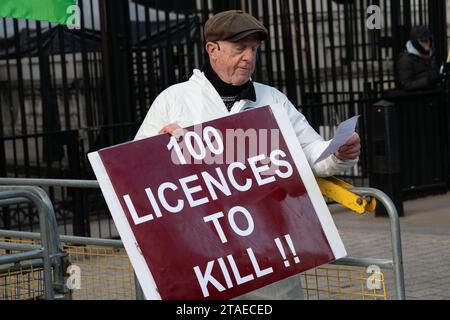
395 236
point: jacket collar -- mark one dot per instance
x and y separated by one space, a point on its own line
242 92
411 50
199 77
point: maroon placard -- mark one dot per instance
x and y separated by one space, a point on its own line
219 244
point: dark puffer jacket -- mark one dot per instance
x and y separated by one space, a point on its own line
416 73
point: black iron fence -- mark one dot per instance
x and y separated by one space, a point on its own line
66 92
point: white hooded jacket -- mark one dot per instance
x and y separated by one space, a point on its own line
196 100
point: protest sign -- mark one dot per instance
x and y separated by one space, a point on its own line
231 207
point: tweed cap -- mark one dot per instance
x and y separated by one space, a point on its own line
233 25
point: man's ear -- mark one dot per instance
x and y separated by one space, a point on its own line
211 49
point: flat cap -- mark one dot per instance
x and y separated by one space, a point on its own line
233 25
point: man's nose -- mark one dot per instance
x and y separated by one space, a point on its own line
249 54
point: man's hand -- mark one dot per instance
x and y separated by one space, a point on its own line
173 129
350 150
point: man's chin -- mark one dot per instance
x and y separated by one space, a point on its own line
240 81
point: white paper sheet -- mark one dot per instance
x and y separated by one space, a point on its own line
343 132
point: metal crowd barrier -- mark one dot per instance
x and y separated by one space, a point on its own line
339 280
49 252
348 279
106 272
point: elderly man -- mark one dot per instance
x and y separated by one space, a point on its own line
224 87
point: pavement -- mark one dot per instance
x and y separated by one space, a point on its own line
425 235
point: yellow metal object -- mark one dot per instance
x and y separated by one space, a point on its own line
338 190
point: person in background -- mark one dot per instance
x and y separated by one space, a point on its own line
416 66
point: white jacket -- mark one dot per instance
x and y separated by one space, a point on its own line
196 101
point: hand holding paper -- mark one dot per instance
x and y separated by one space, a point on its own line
345 142
350 150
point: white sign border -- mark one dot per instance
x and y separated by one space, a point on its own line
140 266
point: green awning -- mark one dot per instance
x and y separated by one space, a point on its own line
46 10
